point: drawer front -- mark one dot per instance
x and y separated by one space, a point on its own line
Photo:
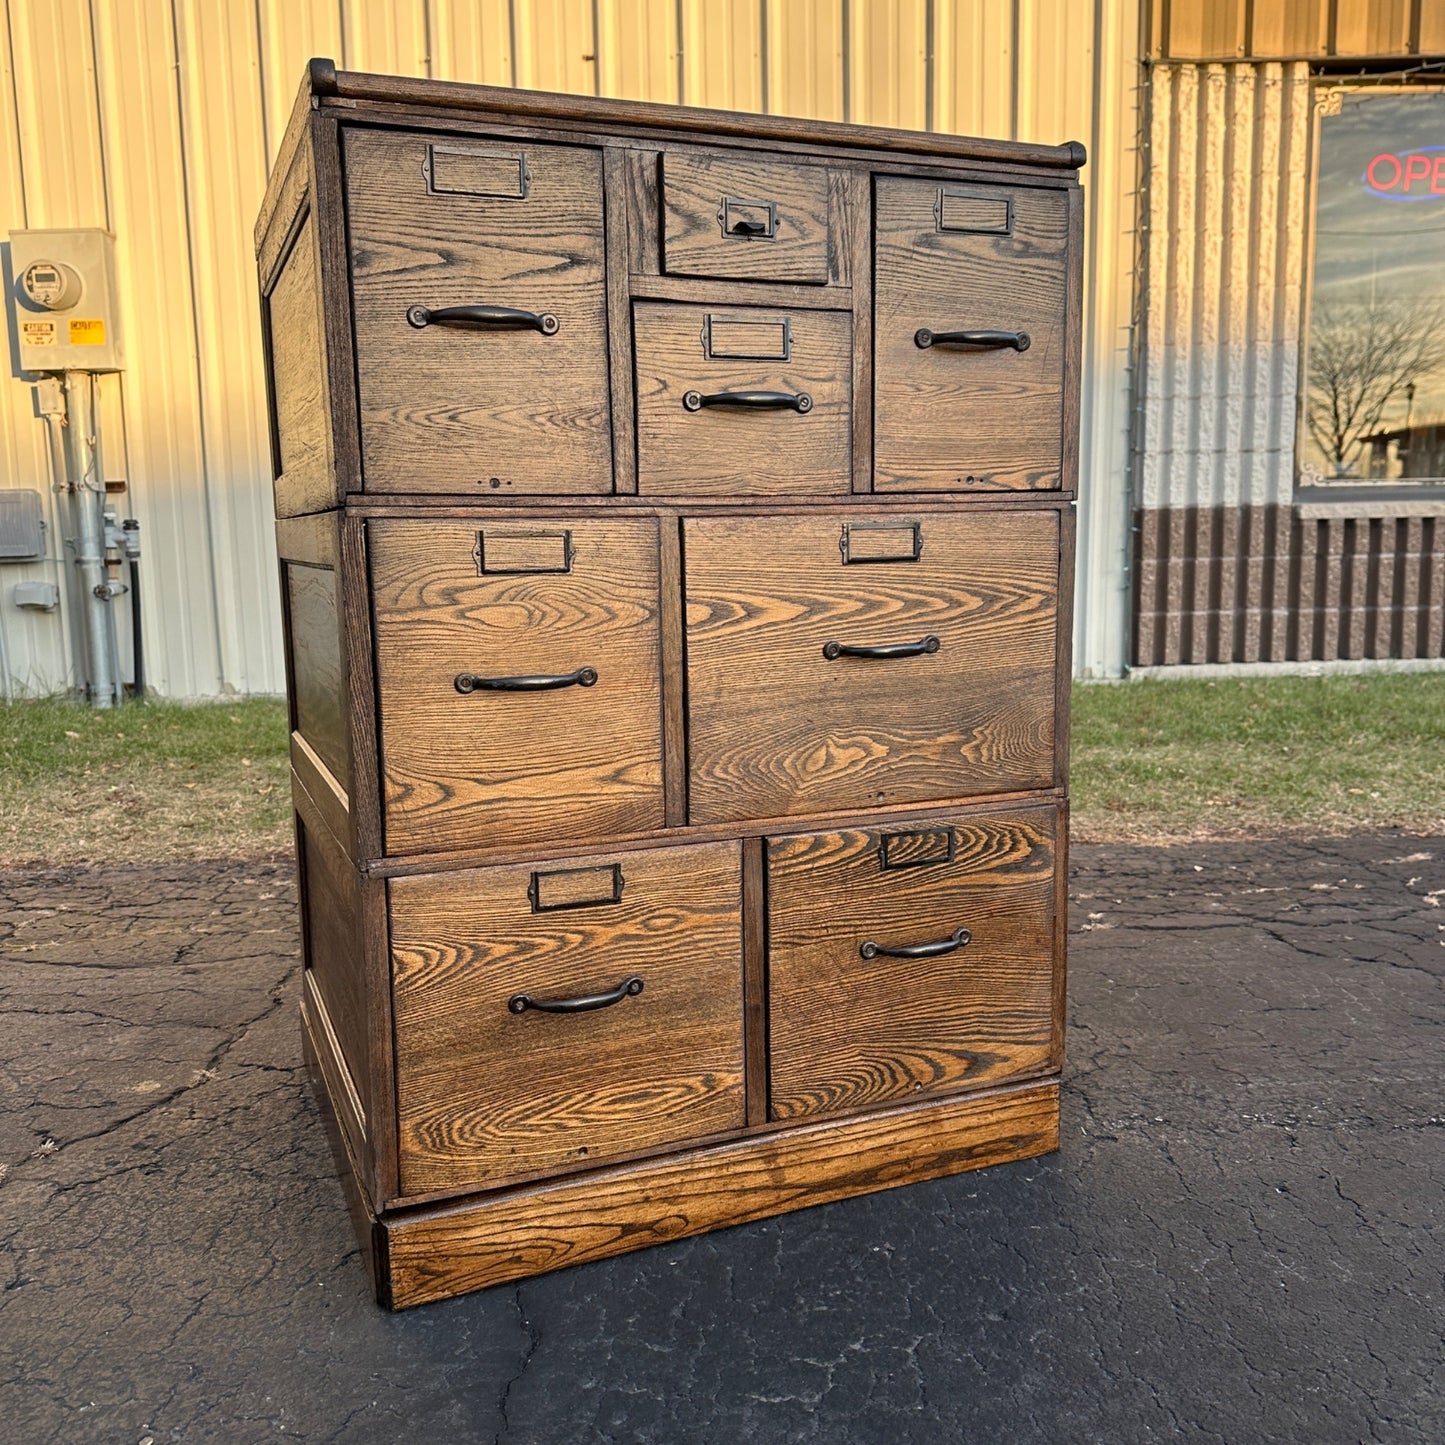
491 1085
850 1023
738 218
472 618
783 719
461 403
990 261
740 400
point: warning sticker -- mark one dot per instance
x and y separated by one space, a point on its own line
37 333
87 333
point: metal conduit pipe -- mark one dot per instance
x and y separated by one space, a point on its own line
131 528
83 455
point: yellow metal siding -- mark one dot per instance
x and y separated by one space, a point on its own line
722 54
1294 29
556 45
158 118
637 49
471 40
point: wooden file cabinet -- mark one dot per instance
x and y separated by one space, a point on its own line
675 516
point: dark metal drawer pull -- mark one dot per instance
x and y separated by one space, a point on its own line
469 682
959 938
506 318
994 340
924 645
748 228
519 1003
757 400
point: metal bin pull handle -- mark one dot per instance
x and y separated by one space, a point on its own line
519 1003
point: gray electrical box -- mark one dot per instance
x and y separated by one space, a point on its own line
22 525
64 300
37 596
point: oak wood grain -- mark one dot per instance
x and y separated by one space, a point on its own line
449 1251
519 106
363 966
318 694
319 1058
336 299
955 418
619 342
783 295
847 1032
1073 339
775 728
790 199
358 661
674 673
332 948
755 976
719 752
456 409
485 1094
855 208
571 763
298 382
442 860
727 450
899 503
1061 933
331 800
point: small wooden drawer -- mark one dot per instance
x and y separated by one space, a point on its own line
837 662
740 218
910 961
494 1083
965 276
480 312
518 673
739 399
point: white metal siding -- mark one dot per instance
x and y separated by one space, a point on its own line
158 118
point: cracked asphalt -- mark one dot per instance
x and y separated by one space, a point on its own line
1240 1241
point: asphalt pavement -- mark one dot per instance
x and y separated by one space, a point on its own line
1241 1240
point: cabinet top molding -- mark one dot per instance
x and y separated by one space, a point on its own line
324 86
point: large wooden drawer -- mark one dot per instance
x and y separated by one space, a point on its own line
744 217
492 1086
740 399
518 673
441 228
960 261
784 719
909 961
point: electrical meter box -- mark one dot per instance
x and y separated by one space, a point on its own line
63 299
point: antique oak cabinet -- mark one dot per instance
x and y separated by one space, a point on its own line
675 518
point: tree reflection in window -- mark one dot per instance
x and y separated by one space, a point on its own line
1375 394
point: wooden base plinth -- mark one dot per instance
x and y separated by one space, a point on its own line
437 1251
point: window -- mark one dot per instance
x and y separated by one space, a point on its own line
1374 396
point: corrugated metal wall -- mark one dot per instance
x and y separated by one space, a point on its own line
157 119
1293 29
1224 248
1228 568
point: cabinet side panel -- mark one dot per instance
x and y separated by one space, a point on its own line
317 685
317 695
332 934
296 362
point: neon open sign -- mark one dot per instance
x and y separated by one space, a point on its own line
1413 175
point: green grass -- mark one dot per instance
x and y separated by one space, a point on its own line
1153 761
1259 757
143 783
